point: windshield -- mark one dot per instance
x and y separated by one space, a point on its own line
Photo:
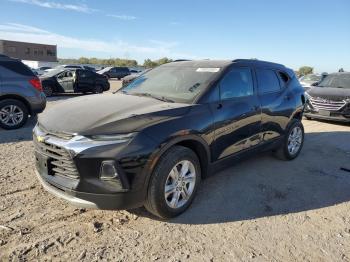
178 84
310 78
336 80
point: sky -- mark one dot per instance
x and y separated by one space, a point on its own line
294 32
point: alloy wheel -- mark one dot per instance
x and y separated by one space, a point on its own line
180 184
11 115
295 140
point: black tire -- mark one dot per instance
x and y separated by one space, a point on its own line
98 89
20 107
48 91
156 202
283 152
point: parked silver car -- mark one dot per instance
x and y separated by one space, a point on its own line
21 93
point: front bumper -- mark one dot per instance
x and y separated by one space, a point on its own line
96 201
80 184
329 110
332 117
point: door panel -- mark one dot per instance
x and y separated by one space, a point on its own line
276 103
86 80
69 84
238 114
238 123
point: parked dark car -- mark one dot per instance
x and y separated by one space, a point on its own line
73 80
330 98
115 72
20 93
128 79
151 143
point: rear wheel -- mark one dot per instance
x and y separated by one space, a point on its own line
13 114
48 90
98 89
174 183
293 141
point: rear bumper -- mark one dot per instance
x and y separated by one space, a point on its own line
37 104
125 200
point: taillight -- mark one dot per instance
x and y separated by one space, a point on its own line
36 83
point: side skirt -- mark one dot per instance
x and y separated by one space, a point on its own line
228 161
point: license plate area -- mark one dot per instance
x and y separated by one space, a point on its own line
324 112
42 163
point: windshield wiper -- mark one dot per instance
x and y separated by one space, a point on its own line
161 98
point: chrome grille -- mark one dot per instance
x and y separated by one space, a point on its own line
60 162
325 104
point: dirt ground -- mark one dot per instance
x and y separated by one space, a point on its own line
261 209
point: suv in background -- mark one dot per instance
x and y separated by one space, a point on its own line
329 99
21 93
152 142
115 72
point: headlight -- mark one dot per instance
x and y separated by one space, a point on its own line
118 138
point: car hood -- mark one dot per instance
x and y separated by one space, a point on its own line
108 114
330 93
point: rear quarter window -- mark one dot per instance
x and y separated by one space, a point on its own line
17 67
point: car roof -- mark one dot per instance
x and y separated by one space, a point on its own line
199 63
223 63
226 63
7 58
339 73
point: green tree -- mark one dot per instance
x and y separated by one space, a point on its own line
163 60
148 63
83 60
305 70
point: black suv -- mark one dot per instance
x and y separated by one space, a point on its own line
329 99
115 72
73 80
20 93
152 142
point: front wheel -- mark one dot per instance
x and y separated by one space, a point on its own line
293 141
174 183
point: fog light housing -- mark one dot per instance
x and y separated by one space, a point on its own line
108 170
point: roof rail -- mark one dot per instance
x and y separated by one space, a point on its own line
181 60
256 61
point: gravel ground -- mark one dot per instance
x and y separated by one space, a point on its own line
261 209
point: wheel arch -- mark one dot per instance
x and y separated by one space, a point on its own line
19 98
193 142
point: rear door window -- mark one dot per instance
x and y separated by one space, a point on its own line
17 67
85 74
268 81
